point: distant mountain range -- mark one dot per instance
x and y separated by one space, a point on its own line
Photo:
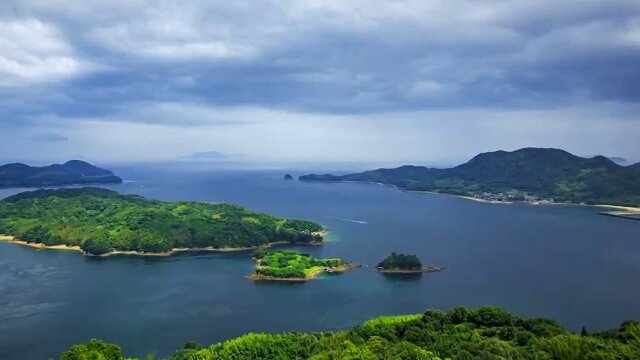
525 174
69 173
205 155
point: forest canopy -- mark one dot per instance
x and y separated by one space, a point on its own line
101 221
460 333
400 262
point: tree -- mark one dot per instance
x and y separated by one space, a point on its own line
93 350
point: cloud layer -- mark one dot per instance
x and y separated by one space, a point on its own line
235 67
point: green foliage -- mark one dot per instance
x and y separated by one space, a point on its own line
290 264
93 350
400 262
460 333
100 221
543 173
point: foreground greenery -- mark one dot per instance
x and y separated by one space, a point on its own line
531 172
400 262
101 221
461 333
291 264
71 172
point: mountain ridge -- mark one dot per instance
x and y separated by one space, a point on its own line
527 173
71 172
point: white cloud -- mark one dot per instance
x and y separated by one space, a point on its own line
32 51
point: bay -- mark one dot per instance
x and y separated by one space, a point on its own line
559 261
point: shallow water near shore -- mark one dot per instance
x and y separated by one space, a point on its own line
564 262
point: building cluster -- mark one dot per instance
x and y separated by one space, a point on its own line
511 195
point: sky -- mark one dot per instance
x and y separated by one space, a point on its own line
316 81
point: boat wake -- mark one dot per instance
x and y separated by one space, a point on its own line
354 221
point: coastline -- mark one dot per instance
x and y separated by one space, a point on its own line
312 276
41 246
630 209
428 269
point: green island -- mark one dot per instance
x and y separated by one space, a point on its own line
531 174
460 333
103 222
289 265
403 264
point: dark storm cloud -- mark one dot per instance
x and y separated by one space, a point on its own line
401 57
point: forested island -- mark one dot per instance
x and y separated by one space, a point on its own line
460 333
101 222
529 174
289 265
404 264
72 172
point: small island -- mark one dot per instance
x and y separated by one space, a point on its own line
404 264
72 172
103 222
288 177
289 265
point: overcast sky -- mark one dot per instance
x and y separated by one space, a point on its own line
436 81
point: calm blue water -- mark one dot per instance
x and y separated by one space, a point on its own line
564 262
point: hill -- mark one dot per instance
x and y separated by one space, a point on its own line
460 333
70 173
101 221
525 174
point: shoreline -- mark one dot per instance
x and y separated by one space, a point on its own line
39 246
312 276
428 269
173 251
629 209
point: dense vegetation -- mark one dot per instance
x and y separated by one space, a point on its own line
400 262
290 264
71 172
101 221
544 173
460 333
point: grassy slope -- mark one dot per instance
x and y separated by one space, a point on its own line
290 264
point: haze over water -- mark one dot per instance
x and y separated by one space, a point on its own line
563 262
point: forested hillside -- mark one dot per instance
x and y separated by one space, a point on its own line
101 221
541 173
461 333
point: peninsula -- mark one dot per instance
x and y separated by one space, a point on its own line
74 172
290 265
104 222
529 174
403 264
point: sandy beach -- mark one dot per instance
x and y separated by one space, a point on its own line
41 246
